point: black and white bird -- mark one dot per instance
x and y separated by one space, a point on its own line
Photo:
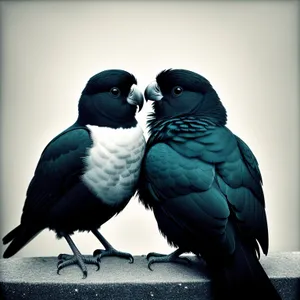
89 172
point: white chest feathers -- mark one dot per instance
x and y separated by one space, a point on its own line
113 163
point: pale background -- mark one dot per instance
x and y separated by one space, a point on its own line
249 50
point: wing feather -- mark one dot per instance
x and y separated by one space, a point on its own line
202 183
59 168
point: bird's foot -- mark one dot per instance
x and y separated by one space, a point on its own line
99 253
153 257
65 260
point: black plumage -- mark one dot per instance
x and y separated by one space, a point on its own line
204 186
64 194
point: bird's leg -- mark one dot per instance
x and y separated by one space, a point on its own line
153 257
65 260
109 249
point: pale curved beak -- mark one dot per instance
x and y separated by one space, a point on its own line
135 97
153 92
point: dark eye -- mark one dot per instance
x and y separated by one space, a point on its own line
115 91
177 90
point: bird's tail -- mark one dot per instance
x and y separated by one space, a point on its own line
18 238
11 235
243 278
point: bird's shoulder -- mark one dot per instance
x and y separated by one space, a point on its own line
61 159
71 139
212 145
59 168
193 138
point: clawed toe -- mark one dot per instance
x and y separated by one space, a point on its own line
64 256
153 257
65 263
66 260
99 253
154 254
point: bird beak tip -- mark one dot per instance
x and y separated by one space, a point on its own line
136 97
153 92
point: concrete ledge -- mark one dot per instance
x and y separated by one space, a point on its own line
36 278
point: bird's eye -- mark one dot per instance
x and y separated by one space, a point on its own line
177 90
115 92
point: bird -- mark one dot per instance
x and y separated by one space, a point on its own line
87 173
204 186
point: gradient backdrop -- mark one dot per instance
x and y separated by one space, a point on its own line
249 50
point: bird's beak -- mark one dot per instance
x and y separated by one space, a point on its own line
135 97
153 92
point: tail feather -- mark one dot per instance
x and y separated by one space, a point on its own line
19 237
11 235
243 278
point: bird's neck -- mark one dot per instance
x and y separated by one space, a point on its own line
215 114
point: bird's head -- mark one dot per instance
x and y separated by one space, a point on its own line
178 92
110 98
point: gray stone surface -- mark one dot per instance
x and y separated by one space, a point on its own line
36 278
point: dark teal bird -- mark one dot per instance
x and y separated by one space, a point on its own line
88 173
204 186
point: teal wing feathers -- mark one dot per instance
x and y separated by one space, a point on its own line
201 183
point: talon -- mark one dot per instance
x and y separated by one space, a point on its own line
154 254
84 274
98 266
149 266
99 253
154 257
58 270
80 261
58 263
